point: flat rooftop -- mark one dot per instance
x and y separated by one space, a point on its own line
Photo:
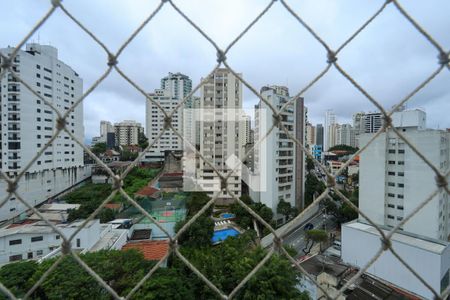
427 244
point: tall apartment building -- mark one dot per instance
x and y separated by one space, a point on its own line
310 134
345 135
127 132
105 128
373 122
221 123
319 134
174 88
393 181
27 124
278 161
329 130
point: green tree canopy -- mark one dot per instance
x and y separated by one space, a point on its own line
99 148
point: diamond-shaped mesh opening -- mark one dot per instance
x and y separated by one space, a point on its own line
260 264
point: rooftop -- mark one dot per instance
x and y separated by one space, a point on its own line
152 250
428 244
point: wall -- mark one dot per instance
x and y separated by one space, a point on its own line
359 246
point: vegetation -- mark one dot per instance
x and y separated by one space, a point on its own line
340 209
245 220
315 236
347 148
90 195
309 164
287 210
99 148
313 186
127 155
142 140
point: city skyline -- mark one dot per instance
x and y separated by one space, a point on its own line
370 61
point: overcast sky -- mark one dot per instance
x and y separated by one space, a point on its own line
388 59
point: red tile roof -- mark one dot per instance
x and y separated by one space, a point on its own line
152 250
25 222
146 191
114 206
173 174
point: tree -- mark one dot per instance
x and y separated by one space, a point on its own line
347 148
142 140
312 186
315 236
99 148
284 208
309 164
16 276
127 155
198 234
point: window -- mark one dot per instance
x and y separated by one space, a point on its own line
57 237
78 243
391 151
400 185
391 205
391 195
399 218
30 255
391 162
391 184
402 151
400 207
400 162
15 257
39 252
37 238
15 242
390 217
391 173
401 174
399 196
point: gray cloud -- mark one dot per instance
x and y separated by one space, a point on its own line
389 58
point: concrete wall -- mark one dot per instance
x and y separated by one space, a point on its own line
358 247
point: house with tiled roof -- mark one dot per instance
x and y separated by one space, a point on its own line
152 250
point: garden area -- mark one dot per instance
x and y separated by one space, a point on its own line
90 195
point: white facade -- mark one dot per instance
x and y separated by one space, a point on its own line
430 258
127 132
310 134
27 124
276 157
345 135
105 128
394 181
220 126
329 131
35 241
174 88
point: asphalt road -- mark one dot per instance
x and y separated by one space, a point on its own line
297 240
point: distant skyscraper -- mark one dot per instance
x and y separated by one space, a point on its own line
329 135
27 124
319 135
373 122
178 85
105 128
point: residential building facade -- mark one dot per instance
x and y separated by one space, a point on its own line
221 124
127 132
27 124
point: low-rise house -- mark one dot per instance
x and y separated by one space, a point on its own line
38 240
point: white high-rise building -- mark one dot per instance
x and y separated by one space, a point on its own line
105 128
345 135
127 132
393 182
394 179
329 139
310 134
220 125
278 162
27 124
174 88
